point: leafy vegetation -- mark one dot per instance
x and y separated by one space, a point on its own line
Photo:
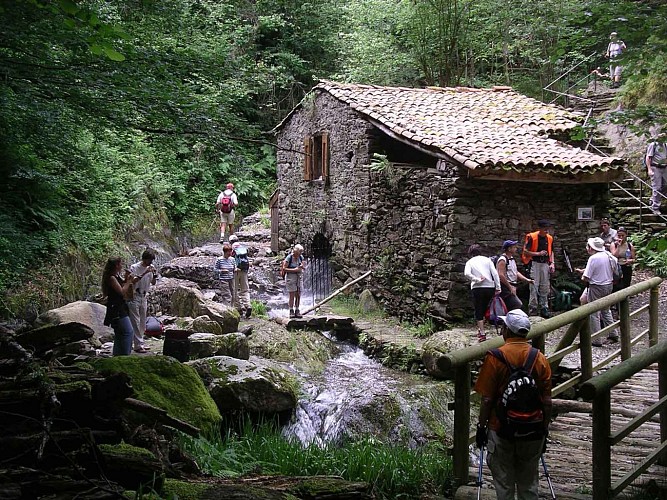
651 251
119 121
391 471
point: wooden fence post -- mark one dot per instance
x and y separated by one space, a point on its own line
601 445
461 457
586 351
653 317
624 318
662 391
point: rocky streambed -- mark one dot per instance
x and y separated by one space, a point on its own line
318 381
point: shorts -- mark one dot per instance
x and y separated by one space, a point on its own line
227 218
294 282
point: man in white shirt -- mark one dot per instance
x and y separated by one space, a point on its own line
138 306
656 166
599 277
226 204
615 49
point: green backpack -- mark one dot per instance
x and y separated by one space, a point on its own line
562 301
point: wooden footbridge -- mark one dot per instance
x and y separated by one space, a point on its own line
611 444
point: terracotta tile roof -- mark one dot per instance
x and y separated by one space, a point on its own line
494 128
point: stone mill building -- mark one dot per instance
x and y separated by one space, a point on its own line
403 180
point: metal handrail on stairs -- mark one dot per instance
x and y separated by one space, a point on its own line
566 93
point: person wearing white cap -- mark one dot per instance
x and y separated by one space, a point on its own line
599 278
614 51
513 460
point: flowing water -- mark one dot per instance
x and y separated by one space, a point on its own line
356 396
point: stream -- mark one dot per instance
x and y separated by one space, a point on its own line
357 397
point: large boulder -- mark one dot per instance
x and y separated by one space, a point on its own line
48 337
367 302
84 312
193 268
255 385
164 382
204 324
191 302
159 300
206 345
439 344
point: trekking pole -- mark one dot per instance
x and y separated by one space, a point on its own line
479 475
546 473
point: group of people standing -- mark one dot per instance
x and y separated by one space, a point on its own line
500 275
126 292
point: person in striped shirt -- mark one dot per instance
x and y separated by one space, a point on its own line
224 266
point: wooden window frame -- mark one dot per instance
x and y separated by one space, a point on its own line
316 158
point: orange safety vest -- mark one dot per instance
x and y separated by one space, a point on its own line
525 258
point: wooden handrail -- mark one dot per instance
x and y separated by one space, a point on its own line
452 359
598 390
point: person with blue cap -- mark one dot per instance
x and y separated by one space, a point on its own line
509 275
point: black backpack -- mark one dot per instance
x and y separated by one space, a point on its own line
519 409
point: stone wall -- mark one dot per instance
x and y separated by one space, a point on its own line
311 207
409 221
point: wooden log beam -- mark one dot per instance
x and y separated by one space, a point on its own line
341 289
162 416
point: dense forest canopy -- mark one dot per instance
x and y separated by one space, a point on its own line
126 117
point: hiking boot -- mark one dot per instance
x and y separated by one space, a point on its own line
481 337
297 314
248 312
656 211
291 313
613 338
597 342
532 312
544 312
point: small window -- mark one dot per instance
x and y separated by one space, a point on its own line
316 159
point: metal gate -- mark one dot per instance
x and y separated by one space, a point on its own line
318 275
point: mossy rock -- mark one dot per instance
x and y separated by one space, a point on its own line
132 467
204 324
167 384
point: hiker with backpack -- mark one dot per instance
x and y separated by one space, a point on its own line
225 204
515 385
656 166
292 270
225 267
241 287
509 275
484 284
615 49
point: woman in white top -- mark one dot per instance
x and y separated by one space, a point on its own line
484 284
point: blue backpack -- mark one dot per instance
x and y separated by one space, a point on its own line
241 257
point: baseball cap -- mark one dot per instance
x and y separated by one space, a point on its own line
509 243
517 322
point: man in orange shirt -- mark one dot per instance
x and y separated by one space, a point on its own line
513 461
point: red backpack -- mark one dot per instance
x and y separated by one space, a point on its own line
226 205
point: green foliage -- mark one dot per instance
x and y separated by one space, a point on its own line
651 251
391 471
259 309
348 305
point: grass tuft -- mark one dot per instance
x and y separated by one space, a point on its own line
391 471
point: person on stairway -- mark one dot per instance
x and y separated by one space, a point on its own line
615 49
656 165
